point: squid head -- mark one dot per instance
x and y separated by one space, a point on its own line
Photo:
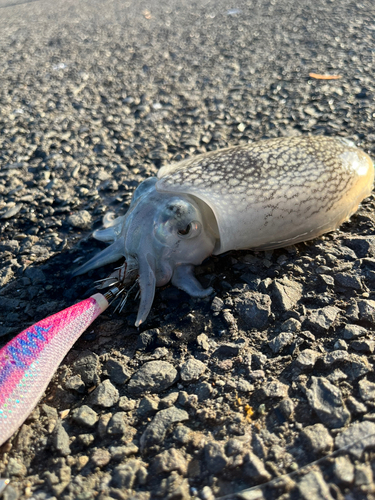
162 237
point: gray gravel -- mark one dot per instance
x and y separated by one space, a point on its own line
154 376
211 397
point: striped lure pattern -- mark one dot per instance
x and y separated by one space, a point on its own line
28 362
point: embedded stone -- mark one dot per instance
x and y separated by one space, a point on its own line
154 376
326 401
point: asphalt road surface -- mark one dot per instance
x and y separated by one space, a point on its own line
95 96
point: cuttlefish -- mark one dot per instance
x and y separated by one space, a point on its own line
264 195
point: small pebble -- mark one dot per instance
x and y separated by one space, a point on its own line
117 425
254 309
326 400
363 345
100 458
275 389
126 404
357 438
117 372
61 440
366 390
320 320
154 376
80 220
85 416
281 341
192 370
214 457
318 438
313 486
340 345
8 214
343 470
156 430
148 406
254 468
105 395
353 332
119 453
306 359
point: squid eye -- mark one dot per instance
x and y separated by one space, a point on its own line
186 231
191 230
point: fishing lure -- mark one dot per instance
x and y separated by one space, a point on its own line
28 362
264 195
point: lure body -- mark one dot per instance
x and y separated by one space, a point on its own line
264 195
28 362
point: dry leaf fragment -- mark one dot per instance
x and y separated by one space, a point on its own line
324 77
64 413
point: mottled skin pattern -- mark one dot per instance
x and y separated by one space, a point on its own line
275 192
